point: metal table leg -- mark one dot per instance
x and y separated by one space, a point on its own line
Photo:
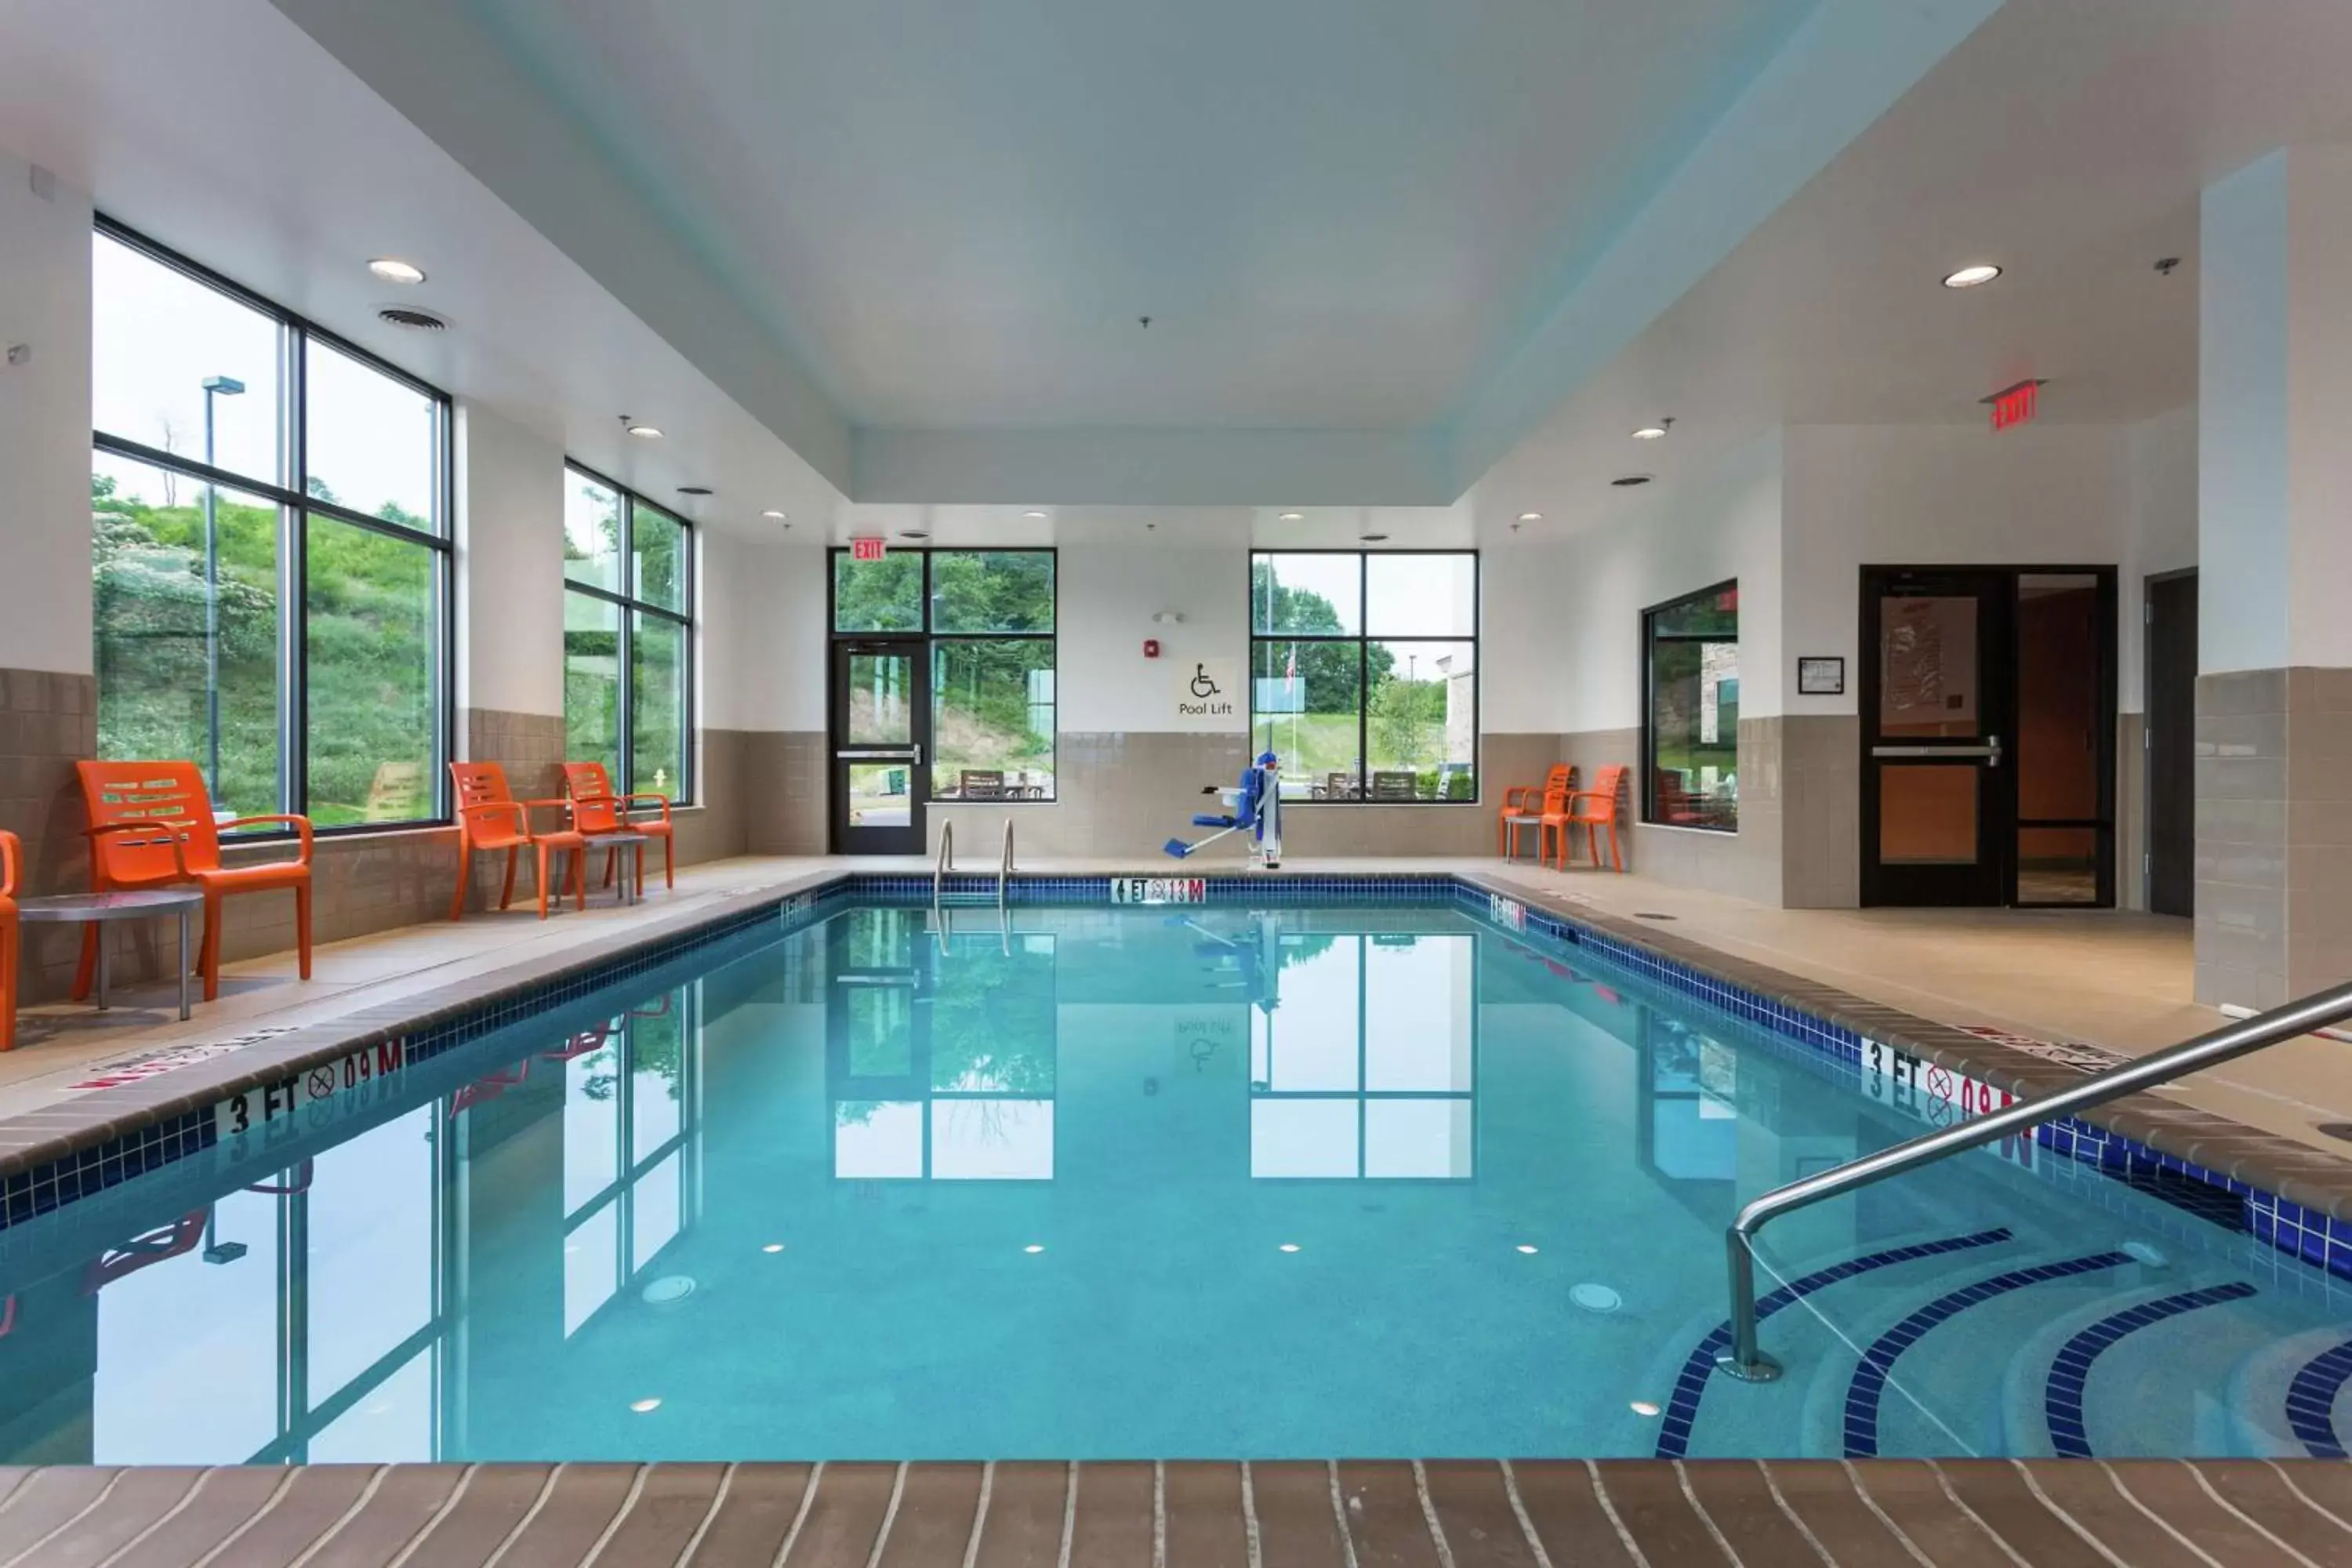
183 966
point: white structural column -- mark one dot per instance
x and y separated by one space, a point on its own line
2274 560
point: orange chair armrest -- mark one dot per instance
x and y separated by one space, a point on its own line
484 807
628 802
10 869
300 825
1517 794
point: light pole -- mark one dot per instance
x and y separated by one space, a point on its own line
215 386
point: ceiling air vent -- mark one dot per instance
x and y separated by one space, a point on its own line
694 489
414 320
1630 480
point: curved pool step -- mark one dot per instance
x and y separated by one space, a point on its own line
2043 1397
2288 1400
1868 1384
1682 1410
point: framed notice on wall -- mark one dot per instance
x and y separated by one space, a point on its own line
1821 676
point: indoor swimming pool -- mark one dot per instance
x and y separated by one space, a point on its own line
1373 1179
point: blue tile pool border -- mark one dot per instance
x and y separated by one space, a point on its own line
2305 1233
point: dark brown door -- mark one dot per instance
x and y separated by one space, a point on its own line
1937 742
2171 745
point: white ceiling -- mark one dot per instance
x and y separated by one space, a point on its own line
945 214
224 131
2067 140
1333 210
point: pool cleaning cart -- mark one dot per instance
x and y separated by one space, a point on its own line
1253 807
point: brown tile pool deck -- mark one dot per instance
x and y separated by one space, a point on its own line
1291 1514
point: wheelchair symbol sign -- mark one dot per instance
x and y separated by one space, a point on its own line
1205 693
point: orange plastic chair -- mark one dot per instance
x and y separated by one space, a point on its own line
596 809
1608 783
150 826
1527 800
12 856
490 819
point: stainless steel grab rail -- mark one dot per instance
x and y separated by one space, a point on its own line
945 862
1745 1362
1005 869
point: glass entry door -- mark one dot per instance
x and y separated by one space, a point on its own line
1936 694
881 736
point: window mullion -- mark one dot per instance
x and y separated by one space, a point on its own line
294 576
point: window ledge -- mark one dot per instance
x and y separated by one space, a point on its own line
1687 827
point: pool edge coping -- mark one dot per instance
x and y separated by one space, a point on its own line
2203 1144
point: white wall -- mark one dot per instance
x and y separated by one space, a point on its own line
763 648
2160 470
510 565
1689 535
1524 677
2241 394
1109 591
45 540
1899 495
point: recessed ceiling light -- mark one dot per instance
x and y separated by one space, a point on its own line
1032 1250
773 1246
912 533
1035 515
1294 517
1971 276
644 1406
772 513
393 269
646 432
1372 538
1650 433
1530 517
1628 481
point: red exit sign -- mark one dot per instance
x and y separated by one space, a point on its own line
2015 406
867 549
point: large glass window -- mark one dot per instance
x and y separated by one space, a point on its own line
1364 673
1692 658
988 616
272 609
628 638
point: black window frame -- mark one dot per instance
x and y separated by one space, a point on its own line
931 640
1364 638
295 507
1649 799
629 604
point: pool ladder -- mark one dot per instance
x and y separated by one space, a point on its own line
1744 1361
942 922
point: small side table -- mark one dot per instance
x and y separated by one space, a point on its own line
104 908
632 869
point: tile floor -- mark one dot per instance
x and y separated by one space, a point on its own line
1438 1514
2117 980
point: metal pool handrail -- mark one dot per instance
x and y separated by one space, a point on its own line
1004 871
1744 1361
946 859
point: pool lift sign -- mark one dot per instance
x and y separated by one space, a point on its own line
300 1101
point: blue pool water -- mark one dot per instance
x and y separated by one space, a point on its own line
1153 1181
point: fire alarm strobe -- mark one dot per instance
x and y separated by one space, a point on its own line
1151 647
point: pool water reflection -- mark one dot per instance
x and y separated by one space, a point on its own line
1104 1182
